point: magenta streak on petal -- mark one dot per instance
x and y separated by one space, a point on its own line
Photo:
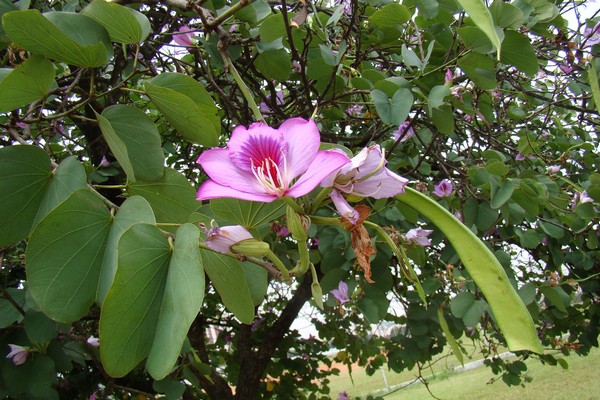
303 140
220 168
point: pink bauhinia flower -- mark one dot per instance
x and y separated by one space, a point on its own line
341 293
263 164
183 36
221 239
18 354
343 208
418 236
366 176
404 132
444 188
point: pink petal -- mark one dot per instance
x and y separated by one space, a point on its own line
256 143
303 141
325 163
379 186
343 208
219 167
212 190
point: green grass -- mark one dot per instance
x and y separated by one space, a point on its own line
581 381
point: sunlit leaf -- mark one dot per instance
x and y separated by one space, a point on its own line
123 24
28 82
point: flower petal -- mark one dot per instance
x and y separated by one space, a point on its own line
343 208
325 163
382 185
303 141
255 144
220 168
212 190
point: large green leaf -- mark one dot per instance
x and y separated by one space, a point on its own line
481 16
187 106
27 83
134 210
172 197
131 308
247 213
518 51
64 256
509 311
134 141
68 37
227 275
274 64
258 281
395 110
181 302
123 24
24 175
480 69
390 16
68 177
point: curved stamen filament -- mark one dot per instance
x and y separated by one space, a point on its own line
270 177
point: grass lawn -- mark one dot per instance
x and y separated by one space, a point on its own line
581 381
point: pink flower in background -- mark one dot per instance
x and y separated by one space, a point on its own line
404 132
183 36
418 236
519 157
592 35
567 69
355 110
343 396
221 239
366 176
93 341
341 293
581 198
553 169
263 164
343 208
18 354
279 100
444 188
448 77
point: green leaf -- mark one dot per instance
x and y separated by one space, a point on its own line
272 28
390 16
506 15
502 194
134 210
474 39
518 52
227 275
395 110
134 141
187 106
258 281
131 308
481 16
480 69
437 95
67 178
184 293
510 313
250 214
24 176
557 297
64 256
449 337
27 83
274 64
593 79
68 37
172 197
123 24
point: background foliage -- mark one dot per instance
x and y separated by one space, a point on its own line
102 110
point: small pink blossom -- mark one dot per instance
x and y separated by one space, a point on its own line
404 132
343 396
355 110
21 125
221 239
279 100
104 163
444 188
263 164
93 341
553 169
418 236
183 36
581 198
567 69
592 35
279 230
18 354
341 293
519 157
448 77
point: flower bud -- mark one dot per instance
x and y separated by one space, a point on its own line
297 224
251 248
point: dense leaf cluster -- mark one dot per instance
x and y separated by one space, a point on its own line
103 113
